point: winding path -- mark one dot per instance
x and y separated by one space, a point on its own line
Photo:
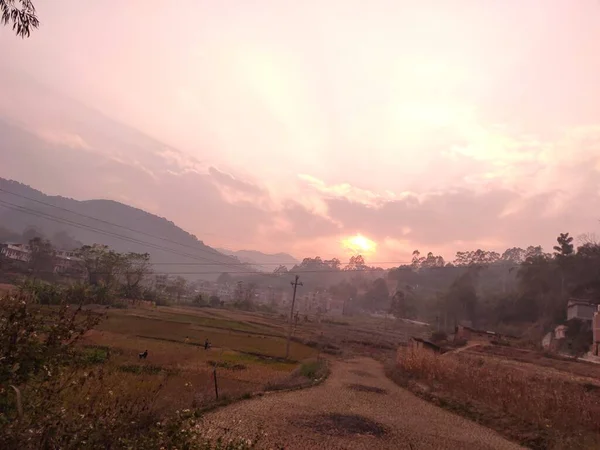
357 407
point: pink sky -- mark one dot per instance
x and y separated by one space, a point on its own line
441 126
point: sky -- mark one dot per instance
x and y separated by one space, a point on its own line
281 126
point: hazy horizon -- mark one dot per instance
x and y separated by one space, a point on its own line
291 128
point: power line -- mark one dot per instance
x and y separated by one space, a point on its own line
208 250
61 220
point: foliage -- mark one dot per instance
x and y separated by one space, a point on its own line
21 14
313 369
198 300
214 301
136 267
42 256
71 397
177 287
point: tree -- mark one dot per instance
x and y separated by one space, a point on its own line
402 306
562 251
199 300
177 286
477 257
565 246
102 264
514 255
461 299
214 301
281 270
430 261
135 267
377 296
42 256
224 278
357 262
21 14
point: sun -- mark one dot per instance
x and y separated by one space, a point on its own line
359 244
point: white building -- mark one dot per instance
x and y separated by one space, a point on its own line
580 309
16 252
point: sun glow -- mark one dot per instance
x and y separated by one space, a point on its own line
359 244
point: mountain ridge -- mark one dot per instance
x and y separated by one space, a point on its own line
122 227
265 261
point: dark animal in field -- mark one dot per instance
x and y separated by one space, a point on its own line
143 355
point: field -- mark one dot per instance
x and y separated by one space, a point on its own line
246 349
539 401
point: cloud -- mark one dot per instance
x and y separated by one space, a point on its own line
56 137
346 190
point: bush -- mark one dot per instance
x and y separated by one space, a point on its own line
313 369
94 354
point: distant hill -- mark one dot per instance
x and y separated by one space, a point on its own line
263 261
91 221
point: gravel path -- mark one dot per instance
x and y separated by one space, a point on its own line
357 407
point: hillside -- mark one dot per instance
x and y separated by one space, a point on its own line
263 261
93 221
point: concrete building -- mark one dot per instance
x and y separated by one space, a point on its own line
580 309
16 252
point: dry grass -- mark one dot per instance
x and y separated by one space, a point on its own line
174 339
564 412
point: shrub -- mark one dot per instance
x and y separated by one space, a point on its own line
94 354
313 369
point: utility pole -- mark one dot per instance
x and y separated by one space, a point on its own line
294 283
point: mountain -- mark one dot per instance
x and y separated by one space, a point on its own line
263 261
121 227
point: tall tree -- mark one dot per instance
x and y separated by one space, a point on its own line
565 246
177 287
135 268
42 256
21 14
102 264
562 251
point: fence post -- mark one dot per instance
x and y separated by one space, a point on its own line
216 385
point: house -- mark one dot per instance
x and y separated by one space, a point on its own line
580 309
67 261
16 252
418 344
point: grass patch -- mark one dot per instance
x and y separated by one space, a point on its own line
140 370
94 354
226 365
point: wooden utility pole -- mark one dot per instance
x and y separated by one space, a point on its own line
294 283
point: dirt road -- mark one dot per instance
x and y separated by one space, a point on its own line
358 407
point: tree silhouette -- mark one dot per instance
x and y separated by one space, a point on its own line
21 14
565 245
